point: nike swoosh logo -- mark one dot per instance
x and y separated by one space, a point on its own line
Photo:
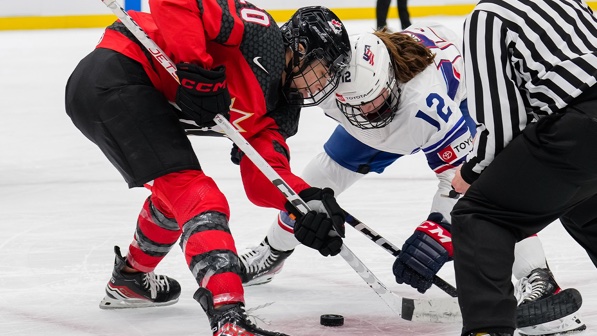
256 61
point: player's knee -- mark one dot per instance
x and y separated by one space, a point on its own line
190 193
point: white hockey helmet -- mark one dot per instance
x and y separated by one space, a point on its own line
368 93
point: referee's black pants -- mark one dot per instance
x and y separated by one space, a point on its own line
381 13
547 172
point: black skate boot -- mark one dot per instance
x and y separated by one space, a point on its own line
261 263
543 308
539 284
138 290
230 319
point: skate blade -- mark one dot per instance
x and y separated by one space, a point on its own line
265 278
111 303
557 333
259 281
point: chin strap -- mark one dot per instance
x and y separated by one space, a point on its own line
295 43
289 75
292 94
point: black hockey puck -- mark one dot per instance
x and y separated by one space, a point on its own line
331 320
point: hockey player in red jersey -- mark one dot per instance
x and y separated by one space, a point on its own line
232 59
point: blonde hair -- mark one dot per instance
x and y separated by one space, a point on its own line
409 57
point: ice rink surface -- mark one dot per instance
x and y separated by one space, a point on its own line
63 207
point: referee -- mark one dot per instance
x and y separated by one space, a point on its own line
531 69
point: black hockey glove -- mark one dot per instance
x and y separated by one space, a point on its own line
424 253
322 228
236 154
202 93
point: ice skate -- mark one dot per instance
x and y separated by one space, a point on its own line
230 319
543 306
261 263
138 290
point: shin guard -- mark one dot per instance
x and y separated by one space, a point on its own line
212 258
155 235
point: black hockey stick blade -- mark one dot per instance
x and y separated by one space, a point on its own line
548 309
394 250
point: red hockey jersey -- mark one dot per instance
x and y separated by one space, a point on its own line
248 42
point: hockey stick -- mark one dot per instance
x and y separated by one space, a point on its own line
393 250
437 310
409 309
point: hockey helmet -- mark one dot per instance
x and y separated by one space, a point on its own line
315 33
368 94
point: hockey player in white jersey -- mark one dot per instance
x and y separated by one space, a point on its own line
404 93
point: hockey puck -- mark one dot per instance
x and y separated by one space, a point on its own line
331 320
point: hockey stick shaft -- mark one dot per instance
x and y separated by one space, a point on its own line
140 34
394 250
423 310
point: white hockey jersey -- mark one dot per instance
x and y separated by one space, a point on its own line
429 116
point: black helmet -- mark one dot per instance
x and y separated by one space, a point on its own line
324 38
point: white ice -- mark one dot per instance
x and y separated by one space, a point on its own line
63 207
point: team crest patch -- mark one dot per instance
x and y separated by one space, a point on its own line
336 26
368 55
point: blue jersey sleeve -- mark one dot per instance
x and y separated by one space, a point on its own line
354 155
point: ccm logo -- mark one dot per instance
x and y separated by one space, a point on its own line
203 87
436 231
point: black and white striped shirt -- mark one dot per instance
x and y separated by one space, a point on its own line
524 59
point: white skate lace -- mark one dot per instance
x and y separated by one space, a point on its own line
522 289
258 259
155 283
530 289
252 317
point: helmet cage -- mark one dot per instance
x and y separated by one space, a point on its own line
324 40
323 85
379 113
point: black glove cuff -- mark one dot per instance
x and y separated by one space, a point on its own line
309 194
440 220
467 173
191 69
